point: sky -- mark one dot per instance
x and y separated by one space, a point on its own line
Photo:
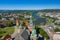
29 4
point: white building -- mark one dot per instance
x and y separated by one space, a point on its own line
56 37
11 18
57 21
26 16
58 17
3 19
49 14
40 13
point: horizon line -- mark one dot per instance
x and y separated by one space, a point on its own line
28 9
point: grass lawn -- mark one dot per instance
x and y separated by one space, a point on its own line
5 31
50 20
0 39
43 33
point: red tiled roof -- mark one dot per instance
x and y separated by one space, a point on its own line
7 37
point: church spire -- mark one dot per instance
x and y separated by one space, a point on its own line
31 22
33 32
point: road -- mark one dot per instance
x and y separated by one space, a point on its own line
15 33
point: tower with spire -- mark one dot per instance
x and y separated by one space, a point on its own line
31 22
33 32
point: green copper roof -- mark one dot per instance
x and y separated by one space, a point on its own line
33 34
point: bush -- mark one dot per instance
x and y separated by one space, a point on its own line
57 24
57 30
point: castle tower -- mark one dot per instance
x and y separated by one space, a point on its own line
17 23
20 26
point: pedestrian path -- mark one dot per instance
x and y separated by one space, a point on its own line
15 33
